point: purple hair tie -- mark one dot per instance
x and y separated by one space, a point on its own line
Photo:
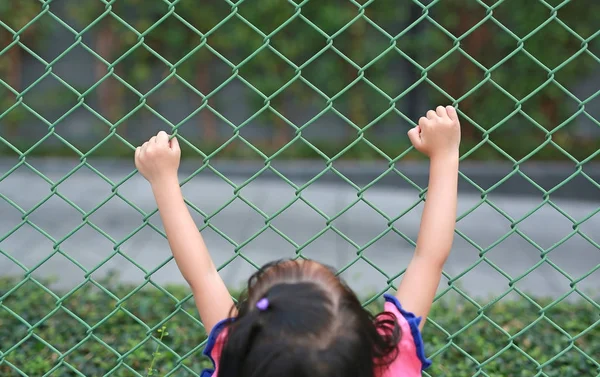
262 304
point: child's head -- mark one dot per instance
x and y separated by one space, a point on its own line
299 319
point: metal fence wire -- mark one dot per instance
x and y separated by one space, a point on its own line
25 21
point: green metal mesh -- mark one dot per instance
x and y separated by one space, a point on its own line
393 169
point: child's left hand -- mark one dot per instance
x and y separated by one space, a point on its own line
158 158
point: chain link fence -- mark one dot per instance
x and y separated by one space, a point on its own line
339 55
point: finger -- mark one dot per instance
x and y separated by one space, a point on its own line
153 140
452 113
145 146
174 144
441 112
162 138
423 121
431 114
136 156
415 137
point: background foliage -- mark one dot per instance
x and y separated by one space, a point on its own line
511 69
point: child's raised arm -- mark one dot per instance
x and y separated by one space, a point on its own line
158 161
438 136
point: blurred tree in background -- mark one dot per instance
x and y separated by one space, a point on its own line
16 15
511 69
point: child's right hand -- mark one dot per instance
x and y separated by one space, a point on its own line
438 134
158 158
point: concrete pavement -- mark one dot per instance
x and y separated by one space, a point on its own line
355 228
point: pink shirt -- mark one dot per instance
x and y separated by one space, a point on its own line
411 358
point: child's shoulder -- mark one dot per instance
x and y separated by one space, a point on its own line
214 346
411 358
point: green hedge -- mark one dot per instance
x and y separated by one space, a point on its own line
455 352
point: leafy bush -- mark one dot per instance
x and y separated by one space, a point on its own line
117 330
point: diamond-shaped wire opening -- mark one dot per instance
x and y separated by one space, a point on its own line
96 249
24 13
255 72
34 38
335 140
574 361
26 237
361 42
298 41
565 45
91 303
63 330
353 105
31 356
522 23
49 100
45 303
360 222
428 46
169 29
393 74
19 70
390 16
116 228
572 140
6 38
316 14
360 275
143 70
65 68
468 75
92 354
458 17
324 73
53 205
166 102
550 107
566 76
247 39
111 38
512 358
337 247
576 16
236 102
207 20
547 226
481 327
270 244
544 340
268 16
586 226
386 135
109 100
576 258
299 221
13 327
450 357
77 17
529 132
204 69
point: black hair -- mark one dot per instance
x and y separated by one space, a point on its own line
314 326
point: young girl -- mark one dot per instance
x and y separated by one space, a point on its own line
297 318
